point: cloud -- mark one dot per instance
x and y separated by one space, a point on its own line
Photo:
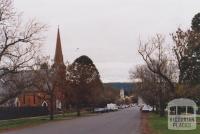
108 30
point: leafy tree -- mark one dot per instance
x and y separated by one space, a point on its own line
85 84
191 61
187 52
196 23
110 95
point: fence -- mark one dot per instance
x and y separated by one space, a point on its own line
21 112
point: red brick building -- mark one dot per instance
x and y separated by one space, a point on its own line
37 98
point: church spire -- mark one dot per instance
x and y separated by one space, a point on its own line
58 59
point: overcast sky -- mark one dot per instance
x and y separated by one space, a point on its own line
107 30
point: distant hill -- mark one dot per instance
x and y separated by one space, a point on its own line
128 87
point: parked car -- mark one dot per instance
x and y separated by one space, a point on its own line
123 106
120 107
134 105
146 108
112 107
99 110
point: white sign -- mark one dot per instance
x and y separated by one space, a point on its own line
182 114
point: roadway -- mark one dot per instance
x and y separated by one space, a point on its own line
126 121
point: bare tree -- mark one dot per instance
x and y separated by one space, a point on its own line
19 45
11 85
147 84
46 82
150 87
49 80
155 56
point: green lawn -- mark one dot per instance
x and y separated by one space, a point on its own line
159 126
27 122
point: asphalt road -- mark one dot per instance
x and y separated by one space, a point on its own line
125 121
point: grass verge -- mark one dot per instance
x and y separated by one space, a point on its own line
159 126
32 121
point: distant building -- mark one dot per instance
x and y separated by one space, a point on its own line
122 96
140 101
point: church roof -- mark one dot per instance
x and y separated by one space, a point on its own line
58 59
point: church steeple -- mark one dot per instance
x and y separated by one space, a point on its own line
58 59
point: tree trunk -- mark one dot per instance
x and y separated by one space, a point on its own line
162 110
157 109
153 104
64 108
51 107
92 108
78 110
161 107
154 108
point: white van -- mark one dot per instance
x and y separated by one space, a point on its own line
112 107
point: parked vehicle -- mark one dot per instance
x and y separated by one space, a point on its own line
112 107
99 110
134 105
120 107
123 106
146 108
109 107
